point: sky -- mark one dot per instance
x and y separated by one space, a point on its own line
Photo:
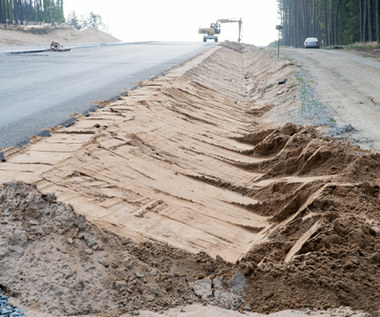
179 20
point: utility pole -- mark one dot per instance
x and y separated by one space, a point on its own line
279 28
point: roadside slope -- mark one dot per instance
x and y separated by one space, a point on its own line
44 36
114 166
184 175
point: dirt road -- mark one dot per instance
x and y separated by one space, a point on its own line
348 85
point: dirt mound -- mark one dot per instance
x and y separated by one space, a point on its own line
325 249
63 34
54 260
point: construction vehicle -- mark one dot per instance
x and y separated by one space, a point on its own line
215 29
56 47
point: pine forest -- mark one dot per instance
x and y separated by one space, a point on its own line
22 12
333 22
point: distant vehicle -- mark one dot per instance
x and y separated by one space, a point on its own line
311 42
56 47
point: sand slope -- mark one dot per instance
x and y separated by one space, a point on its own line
210 203
63 34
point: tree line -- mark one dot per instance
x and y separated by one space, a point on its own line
331 21
20 12
92 20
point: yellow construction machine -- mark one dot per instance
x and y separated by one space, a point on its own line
56 47
215 29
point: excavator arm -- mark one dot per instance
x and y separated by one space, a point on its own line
240 21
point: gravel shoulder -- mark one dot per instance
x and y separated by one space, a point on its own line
347 85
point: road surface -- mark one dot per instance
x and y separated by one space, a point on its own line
42 90
348 84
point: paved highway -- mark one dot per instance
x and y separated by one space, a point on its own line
41 90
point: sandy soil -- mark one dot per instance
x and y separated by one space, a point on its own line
63 34
131 138
197 310
347 83
182 193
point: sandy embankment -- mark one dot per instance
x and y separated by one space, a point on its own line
182 181
63 34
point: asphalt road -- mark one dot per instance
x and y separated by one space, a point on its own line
41 90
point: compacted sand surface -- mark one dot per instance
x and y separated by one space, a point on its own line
346 84
180 193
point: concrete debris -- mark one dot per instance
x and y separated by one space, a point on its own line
202 288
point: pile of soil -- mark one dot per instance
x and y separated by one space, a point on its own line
334 218
318 201
63 34
53 260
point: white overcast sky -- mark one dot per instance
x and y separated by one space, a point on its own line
179 20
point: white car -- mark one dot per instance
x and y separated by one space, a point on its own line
311 42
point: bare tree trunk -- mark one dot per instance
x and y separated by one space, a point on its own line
1 12
326 25
364 20
296 26
21 12
313 18
294 31
302 26
332 40
317 22
4 11
377 8
370 30
38 14
10 21
361 20
30 13
337 21
15 12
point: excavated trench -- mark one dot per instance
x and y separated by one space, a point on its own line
181 192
